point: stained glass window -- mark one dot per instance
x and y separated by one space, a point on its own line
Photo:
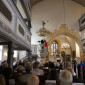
54 48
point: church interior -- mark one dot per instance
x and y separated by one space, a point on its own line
42 33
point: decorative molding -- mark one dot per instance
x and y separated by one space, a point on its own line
11 35
7 33
24 5
63 30
28 38
17 13
21 30
7 14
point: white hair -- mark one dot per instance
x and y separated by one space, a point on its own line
65 77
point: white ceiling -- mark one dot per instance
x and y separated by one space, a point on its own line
52 12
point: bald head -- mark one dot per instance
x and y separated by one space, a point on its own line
33 80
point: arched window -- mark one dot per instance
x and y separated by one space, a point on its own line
54 48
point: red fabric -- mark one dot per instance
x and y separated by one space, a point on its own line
46 44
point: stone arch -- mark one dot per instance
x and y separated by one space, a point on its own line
63 30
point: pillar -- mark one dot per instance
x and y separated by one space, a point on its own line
28 54
10 54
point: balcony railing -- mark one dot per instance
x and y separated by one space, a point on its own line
12 25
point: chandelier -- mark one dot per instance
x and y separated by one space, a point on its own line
43 32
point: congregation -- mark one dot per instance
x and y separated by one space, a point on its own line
36 73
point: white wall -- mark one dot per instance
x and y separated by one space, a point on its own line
77 50
72 43
51 11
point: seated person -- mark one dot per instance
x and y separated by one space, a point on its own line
7 73
51 66
18 73
33 80
29 69
36 70
2 80
71 70
75 79
53 75
46 64
4 64
68 66
20 69
65 77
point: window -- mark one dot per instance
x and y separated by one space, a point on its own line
54 48
1 47
15 54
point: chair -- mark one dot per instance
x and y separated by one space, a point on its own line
50 82
11 82
42 78
77 83
42 83
25 83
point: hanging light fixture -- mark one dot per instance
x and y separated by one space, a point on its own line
43 32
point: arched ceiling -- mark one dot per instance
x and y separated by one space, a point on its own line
82 2
52 12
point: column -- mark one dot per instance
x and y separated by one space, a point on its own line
10 54
28 54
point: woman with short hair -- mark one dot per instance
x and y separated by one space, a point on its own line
2 80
